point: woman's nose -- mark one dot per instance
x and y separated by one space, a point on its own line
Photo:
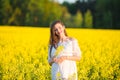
59 31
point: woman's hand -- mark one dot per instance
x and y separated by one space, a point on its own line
53 60
60 59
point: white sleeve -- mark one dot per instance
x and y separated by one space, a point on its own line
49 58
76 48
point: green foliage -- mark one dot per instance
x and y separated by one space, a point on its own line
29 12
73 20
43 12
88 19
78 19
108 12
107 18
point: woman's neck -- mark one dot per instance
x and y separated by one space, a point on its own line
63 38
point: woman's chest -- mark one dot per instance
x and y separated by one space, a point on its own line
64 48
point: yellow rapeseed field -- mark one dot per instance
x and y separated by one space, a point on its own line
24 52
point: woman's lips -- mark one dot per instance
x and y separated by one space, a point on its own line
60 32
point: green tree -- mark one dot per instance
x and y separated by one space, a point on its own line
108 13
78 19
6 11
1 12
88 19
42 12
29 12
66 17
13 12
107 18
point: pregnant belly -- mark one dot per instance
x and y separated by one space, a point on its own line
67 68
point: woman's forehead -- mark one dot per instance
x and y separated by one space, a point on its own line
57 25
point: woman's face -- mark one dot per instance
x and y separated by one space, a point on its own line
58 29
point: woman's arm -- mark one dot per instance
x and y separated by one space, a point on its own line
72 58
53 60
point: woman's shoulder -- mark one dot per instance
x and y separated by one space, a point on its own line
72 39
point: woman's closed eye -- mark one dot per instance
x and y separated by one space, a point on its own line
56 30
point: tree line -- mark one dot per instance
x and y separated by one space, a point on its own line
81 14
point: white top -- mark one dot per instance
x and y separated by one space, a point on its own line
67 69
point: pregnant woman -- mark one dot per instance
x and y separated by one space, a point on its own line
63 53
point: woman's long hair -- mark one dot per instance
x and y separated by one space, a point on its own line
54 39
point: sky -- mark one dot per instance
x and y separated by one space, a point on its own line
61 1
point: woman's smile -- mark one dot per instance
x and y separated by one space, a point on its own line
58 29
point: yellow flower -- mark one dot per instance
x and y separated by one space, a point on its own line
58 50
58 76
